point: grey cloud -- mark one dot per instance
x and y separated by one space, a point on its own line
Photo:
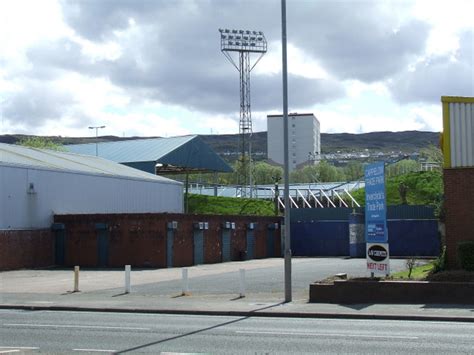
51 58
35 104
360 42
438 76
172 54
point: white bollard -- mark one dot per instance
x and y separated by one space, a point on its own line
127 278
184 272
76 278
242 282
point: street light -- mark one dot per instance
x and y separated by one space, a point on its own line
96 138
287 253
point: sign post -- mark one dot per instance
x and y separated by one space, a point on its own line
376 234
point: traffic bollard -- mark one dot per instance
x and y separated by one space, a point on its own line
242 282
184 273
76 278
127 278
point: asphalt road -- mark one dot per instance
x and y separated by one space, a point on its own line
268 279
83 332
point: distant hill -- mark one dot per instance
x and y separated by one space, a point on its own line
406 142
227 145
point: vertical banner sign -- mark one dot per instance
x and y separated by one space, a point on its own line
376 235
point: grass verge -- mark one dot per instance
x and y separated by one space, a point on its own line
419 272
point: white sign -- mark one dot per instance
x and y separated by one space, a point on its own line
378 258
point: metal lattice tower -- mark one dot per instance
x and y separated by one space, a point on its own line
243 44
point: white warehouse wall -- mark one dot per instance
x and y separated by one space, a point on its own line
303 138
63 192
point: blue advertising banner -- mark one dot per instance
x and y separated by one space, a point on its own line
375 205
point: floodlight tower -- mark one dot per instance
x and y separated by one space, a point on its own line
244 43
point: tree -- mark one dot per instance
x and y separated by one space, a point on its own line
264 173
328 172
354 170
432 154
402 167
41 143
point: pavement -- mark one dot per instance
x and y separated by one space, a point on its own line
104 290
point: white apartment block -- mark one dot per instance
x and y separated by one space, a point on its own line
304 139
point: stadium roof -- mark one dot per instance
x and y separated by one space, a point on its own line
158 155
20 156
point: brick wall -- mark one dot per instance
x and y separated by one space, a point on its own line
140 239
459 208
21 249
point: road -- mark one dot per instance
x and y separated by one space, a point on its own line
86 332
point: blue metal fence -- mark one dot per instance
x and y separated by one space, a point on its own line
412 231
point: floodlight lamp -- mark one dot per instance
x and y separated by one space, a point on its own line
254 32
221 30
230 43
246 38
260 38
252 38
245 44
260 33
226 30
248 32
252 44
231 37
241 31
223 36
234 31
238 37
237 43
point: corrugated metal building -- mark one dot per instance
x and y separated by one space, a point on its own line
458 131
158 155
458 150
35 184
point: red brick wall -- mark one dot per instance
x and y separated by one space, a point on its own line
26 249
459 209
140 239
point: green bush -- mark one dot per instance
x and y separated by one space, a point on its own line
440 263
466 255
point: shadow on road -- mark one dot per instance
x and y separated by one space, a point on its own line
196 331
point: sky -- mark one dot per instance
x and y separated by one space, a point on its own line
155 68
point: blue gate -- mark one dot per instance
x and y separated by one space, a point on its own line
225 245
59 243
102 244
198 247
320 238
250 244
169 247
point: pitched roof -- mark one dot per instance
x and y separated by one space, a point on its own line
16 155
176 154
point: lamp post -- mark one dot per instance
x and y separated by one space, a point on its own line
96 138
288 292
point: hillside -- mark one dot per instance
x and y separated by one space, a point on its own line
406 142
227 145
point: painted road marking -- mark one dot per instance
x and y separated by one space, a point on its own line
71 326
96 350
329 334
15 349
